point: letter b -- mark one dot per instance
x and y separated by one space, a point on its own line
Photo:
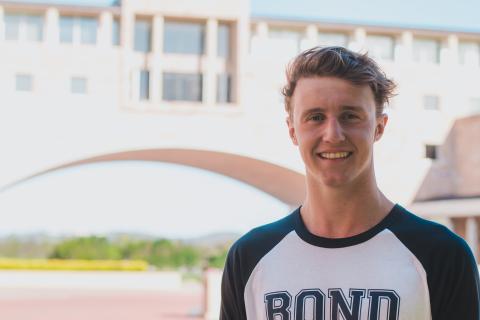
278 304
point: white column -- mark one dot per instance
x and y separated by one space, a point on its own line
311 37
157 34
447 222
262 30
105 29
259 45
155 60
450 51
404 50
212 293
52 28
209 71
242 40
134 80
359 40
471 234
2 25
127 87
127 30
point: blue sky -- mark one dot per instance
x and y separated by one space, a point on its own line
458 15
461 15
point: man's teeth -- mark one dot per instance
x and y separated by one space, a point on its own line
334 155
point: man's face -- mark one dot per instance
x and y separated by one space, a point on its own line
333 123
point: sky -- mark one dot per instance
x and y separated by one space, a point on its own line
461 15
158 199
435 14
175 201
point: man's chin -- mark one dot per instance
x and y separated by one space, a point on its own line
333 181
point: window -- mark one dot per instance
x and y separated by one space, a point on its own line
286 37
115 32
182 87
431 102
12 26
381 47
223 41
426 50
474 105
469 53
88 30
430 151
78 85
144 93
332 39
224 88
143 35
34 27
78 30
23 82
23 27
66 29
184 37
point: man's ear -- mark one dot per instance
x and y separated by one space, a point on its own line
291 130
381 124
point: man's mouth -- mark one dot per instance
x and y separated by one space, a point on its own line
335 155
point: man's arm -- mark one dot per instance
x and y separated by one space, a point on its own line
233 304
456 290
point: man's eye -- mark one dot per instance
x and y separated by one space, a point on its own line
350 116
317 117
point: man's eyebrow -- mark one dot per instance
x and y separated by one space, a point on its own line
352 108
312 111
343 108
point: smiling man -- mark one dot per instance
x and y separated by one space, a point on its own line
348 253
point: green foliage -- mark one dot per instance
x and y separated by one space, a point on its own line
86 248
29 248
218 260
158 253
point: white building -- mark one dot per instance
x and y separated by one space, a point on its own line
79 82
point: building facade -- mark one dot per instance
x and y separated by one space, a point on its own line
81 81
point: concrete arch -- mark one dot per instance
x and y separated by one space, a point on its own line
284 184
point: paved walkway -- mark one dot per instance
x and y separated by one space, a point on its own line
79 304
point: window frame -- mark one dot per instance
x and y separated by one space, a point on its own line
23 24
18 84
85 85
393 39
419 58
144 78
431 151
77 29
426 98
178 87
137 47
169 48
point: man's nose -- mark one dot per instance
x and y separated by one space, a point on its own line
333 131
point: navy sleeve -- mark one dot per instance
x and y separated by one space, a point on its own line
233 304
455 289
242 258
452 272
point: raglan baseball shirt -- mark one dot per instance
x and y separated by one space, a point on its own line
404 268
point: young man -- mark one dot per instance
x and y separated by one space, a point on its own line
348 252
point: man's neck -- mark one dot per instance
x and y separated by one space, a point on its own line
343 212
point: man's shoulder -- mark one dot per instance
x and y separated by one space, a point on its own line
427 238
267 235
450 267
247 251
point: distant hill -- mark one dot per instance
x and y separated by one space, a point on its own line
213 240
